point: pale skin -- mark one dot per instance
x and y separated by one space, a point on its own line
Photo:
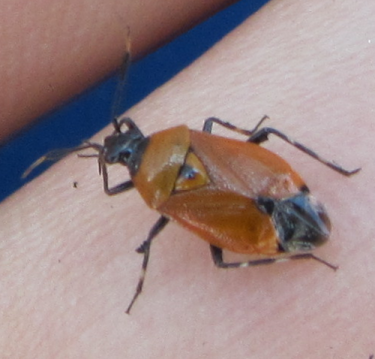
68 266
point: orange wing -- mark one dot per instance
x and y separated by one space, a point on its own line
244 167
226 220
224 211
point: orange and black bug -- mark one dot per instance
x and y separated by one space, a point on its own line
235 195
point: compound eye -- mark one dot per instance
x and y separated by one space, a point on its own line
126 154
111 158
192 174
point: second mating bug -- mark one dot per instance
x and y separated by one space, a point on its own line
236 195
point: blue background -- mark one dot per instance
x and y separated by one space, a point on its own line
90 112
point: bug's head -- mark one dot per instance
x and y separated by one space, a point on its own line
301 221
123 146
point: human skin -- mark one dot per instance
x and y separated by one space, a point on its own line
51 51
68 266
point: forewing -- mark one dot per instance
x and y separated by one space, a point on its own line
245 168
226 220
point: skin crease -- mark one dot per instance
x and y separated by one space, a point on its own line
68 267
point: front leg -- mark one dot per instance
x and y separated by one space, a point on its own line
122 187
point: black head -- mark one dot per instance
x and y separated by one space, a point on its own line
124 147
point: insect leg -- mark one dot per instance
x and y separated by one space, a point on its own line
130 124
122 187
207 127
144 249
217 256
261 135
258 136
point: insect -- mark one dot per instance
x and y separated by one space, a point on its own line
236 195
